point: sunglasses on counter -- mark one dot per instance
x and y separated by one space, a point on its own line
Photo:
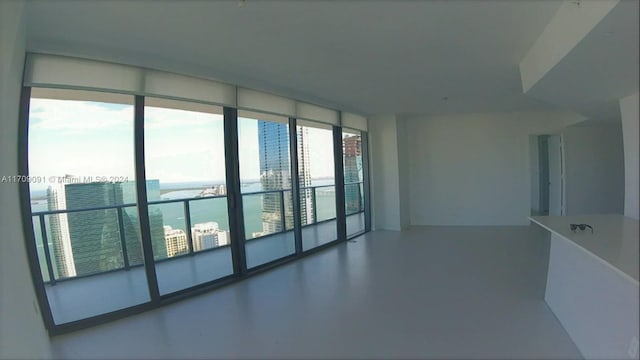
573 227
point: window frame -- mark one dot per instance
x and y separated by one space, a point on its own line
234 208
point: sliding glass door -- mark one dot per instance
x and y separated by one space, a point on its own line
143 189
316 179
84 208
186 193
265 180
352 162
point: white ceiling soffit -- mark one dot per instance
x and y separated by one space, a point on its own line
599 70
368 57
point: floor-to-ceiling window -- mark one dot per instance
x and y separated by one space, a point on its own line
352 162
265 182
83 201
186 192
143 185
316 179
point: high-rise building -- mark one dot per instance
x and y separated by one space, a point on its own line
156 220
304 176
352 152
275 174
208 235
86 242
59 227
176 241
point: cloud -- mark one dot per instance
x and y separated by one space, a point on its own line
49 114
70 115
161 118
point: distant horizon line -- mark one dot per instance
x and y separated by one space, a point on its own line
202 183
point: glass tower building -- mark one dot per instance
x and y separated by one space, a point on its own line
352 149
275 174
86 242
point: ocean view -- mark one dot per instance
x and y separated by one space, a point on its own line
204 210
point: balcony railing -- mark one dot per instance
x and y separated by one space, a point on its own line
124 258
354 197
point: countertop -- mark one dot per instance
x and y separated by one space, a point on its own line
614 239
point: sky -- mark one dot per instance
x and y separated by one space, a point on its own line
84 138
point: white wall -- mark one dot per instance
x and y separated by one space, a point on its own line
473 169
594 169
630 116
22 333
388 173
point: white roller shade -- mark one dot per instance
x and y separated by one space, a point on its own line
317 113
260 101
354 121
67 72
313 124
160 83
63 72
182 105
73 73
82 95
262 116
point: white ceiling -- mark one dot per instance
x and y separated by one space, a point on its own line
373 57
599 70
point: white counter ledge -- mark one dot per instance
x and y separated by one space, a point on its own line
592 282
614 239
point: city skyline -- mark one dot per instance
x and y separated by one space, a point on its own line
181 147
177 143
87 242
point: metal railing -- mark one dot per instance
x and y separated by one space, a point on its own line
119 218
359 187
124 251
283 224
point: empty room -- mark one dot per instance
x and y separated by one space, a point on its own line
277 179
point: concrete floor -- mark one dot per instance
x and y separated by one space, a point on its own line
428 292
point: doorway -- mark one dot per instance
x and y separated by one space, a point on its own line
547 175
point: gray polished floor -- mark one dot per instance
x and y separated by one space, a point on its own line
429 292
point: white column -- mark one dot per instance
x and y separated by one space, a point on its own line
389 176
629 113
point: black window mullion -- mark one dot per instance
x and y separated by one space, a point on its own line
364 143
143 209
27 217
341 213
234 195
187 220
295 184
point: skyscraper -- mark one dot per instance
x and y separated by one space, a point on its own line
304 176
208 235
86 242
352 152
275 174
176 241
59 227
